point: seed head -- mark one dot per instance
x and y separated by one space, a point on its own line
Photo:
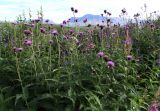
72 9
76 11
129 57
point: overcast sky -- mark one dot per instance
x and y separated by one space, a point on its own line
59 10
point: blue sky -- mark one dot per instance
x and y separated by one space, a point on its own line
59 10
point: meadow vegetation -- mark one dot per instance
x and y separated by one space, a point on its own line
107 67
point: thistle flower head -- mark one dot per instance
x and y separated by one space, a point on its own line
81 34
64 22
129 57
28 42
27 32
72 9
17 50
43 30
76 11
123 10
47 20
54 32
110 64
71 31
153 107
85 20
100 54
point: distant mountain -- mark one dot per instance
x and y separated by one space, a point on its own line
96 19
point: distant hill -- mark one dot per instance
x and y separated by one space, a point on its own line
96 19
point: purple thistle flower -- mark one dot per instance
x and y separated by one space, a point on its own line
153 107
47 20
100 54
76 20
37 20
27 32
43 30
61 25
64 22
85 20
123 10
54 32
71 31
129 57
32 25
110 64
18 49
81 34
68 20
28 42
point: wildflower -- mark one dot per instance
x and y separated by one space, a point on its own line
136 15
123 10
43 30
76 11
47 20
28 42
110 64
153 107
129 57
64 22
76 20
72 9
27 32
17 49
108 13
85 20
71 31
68 20
61 25
101 27
81 34
100 54
108 20
50 41
37 20
54 32
32 25
89 25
